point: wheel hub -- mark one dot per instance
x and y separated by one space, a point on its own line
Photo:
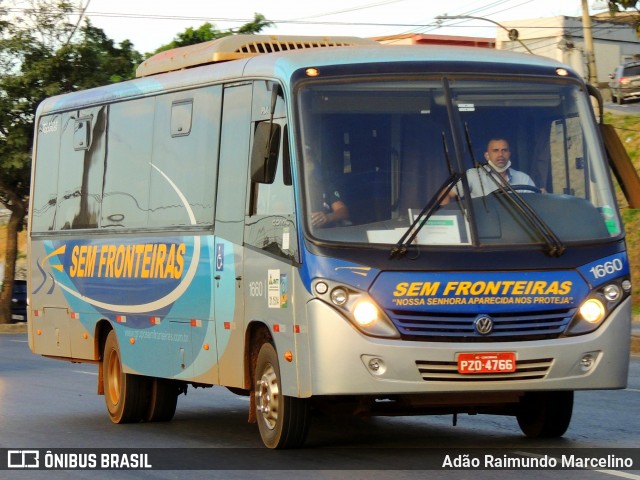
267 397
113 372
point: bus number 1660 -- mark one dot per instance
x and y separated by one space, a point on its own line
607 268
256 289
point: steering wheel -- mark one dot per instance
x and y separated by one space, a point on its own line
526 188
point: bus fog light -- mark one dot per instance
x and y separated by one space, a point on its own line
587 362
339 296
592 310
377 366
612 292
626 285
365 313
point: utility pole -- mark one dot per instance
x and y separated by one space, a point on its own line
588 44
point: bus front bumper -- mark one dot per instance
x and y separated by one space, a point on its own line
343 361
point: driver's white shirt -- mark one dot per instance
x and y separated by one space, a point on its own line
480 184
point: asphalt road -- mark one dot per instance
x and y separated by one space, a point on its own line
629 108
48 404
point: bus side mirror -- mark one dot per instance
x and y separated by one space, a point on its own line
264 154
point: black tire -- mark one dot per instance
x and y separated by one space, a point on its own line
163 400
126 395
283 421
241 392
545 414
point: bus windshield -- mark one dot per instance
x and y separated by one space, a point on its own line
497 161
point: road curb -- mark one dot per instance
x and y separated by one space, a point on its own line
13 328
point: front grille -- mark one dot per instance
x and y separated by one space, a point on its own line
444 327
448 371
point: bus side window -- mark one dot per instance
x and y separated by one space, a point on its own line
126 196
271 220
83 148
568 166
45 199
186 131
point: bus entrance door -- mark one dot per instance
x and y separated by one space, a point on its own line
229 232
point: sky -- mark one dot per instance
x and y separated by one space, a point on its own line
152 23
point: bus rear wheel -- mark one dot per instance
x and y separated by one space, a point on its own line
126 395
163 400
545 414
283 421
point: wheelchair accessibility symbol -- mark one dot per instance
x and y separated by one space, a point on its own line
219 257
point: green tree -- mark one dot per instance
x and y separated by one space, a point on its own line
43 53
617 6
620 5
208 31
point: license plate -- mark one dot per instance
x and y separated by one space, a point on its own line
487 362
17 317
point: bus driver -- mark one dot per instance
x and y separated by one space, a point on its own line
498 155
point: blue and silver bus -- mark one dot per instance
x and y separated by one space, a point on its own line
318 222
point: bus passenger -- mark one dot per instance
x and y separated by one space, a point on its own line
327 207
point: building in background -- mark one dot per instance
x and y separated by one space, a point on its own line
562 38
424 39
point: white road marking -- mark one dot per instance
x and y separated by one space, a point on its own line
616 473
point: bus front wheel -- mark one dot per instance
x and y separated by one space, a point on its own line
282 420
126 395
545 414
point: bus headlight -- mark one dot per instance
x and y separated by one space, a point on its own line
356 305
592 310
369 319
612 292
597 307
339 296
365 313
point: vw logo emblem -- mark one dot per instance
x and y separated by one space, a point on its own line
483 325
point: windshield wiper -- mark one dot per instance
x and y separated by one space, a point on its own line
432 205
554 245
420 221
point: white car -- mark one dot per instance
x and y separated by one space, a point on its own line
625 82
